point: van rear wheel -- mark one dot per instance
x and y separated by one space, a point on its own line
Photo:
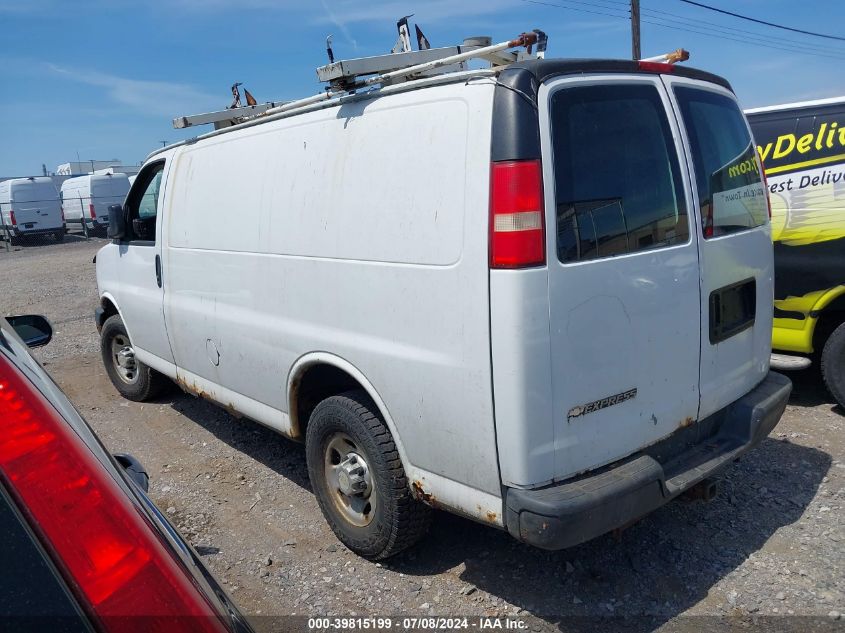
132 378
833 364
357 476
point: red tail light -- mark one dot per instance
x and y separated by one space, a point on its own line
517 226
707 219
656 67
103 544
12 217
91 211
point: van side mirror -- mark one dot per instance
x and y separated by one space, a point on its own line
117 223
34 329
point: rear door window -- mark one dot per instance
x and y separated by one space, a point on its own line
618 188
727 173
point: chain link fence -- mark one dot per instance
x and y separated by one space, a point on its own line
43 223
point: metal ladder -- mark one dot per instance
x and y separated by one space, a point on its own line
346 76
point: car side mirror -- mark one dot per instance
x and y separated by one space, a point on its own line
34 329
134 469
117 223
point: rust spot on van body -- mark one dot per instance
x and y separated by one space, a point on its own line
687 421
192 388
491 516
422 495
230 409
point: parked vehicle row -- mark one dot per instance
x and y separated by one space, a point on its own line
86 200
554 317
31 207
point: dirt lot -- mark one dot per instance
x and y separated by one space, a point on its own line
772 544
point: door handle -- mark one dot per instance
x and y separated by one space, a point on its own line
158 270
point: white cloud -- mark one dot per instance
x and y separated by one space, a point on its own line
340 24
151 97
430 12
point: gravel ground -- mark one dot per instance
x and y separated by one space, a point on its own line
771 545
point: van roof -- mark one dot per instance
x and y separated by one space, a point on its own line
543 69
539 69
799 105
36 180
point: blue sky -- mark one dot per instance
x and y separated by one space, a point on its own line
104 78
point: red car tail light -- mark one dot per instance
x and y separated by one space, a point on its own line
91 211
104 545
12 217
517 226
655 67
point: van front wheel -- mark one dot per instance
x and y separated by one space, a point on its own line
357 476
833 364
132 378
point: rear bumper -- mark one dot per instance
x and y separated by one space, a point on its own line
572 512
17 231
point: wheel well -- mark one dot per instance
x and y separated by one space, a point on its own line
109 308
830 318
312 386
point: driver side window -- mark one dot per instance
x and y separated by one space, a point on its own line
149 201
142 204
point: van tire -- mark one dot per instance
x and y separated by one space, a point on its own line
59 236
399 520
833 364
146 384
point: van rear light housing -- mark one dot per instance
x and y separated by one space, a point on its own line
655 67
91 211
12 217
113 560
517 223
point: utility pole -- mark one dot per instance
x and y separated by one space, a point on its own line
635 29
163 143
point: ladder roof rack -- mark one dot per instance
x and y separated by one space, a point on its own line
347 76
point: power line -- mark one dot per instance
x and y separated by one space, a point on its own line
626 16
746 41
777 26
749 36
697 22
557 6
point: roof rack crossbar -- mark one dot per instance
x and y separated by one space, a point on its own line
346 79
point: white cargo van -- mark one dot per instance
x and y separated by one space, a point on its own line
30 207
86 199
550 311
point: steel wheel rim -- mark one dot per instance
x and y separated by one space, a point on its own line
123 359
349 480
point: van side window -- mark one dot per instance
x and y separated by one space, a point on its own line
149 201
618 187
142 203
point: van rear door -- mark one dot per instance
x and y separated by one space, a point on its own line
623 268
106 191
36 205
735 250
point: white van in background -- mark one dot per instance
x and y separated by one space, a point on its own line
30 207
86 199
552 314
